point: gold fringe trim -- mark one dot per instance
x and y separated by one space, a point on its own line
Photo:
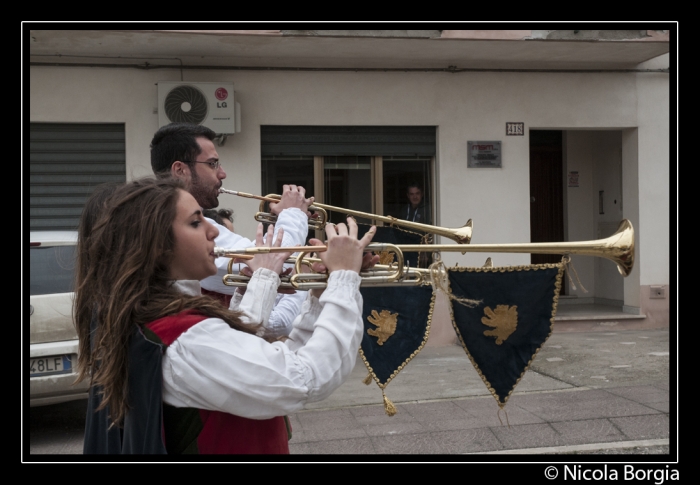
367 379
555 302
389 407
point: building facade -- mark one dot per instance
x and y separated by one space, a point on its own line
533 135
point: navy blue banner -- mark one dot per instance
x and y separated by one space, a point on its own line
397 322
515 316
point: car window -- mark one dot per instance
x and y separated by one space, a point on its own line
51 269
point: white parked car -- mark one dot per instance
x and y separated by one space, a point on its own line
53 351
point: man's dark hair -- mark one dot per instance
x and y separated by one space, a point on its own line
218 215
412 185
176 141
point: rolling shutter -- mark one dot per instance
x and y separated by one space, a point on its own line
66 162
348 140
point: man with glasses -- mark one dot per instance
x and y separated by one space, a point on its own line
186 151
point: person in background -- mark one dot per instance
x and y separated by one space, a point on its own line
416 210
221 216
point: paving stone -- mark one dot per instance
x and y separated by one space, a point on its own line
643 427
527 436
435 411
467 441
577 405
395 428
487 413
641 394
588 431
356 446
406 444
326 434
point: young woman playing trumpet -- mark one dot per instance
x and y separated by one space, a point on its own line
179 372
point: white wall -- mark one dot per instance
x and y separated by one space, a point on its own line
607 171
464 107
654 178
581 219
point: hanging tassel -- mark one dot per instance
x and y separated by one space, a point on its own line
367 379
499 416
389 407
570 269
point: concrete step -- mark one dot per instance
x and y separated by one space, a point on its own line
574 317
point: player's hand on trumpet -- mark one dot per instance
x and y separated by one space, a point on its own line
292 196
271 261
344 250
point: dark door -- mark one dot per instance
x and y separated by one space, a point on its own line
546 191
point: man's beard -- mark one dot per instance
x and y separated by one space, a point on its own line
206 198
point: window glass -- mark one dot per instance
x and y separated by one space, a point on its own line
51 269
347 184
407 188
278 171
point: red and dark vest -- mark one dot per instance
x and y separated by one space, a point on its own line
190 430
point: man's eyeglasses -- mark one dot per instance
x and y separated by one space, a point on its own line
214 165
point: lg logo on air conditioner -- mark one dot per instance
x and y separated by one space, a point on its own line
221 94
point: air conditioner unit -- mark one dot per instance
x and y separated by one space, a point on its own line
204 103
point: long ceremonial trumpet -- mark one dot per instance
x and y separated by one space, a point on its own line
461 235
379 275
382 276
619 248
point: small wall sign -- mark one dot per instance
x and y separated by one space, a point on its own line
573 179
483 154
515 128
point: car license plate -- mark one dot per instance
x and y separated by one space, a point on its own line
55 364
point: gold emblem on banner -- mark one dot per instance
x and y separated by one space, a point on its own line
504 320
386 257
386 325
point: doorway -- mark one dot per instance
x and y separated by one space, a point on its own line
546 191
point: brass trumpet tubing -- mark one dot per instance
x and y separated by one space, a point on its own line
371 247
619 248
261 216
308 281
461 235
300 277
243 253
244 194
239 280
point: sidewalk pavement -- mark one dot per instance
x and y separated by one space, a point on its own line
584 393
